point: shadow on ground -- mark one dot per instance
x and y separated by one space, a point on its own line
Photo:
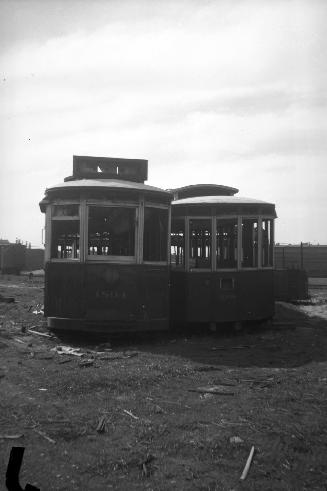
291 340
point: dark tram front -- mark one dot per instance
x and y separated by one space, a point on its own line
107 248
221 256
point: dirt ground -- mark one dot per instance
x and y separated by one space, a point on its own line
164 427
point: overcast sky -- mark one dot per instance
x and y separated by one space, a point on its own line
227 92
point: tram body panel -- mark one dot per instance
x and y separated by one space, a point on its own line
111 297
64 290
221 297
256 295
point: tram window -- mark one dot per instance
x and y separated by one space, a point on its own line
200 243
249 243
226 248
111 231
65 239
267 242
65 211
177 250
155 234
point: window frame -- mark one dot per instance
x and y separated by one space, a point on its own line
112 258
258 266
222 218
239 220
187 245
183 266
272 241
149 204
48 230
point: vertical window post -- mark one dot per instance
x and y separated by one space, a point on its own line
187 243
239 242
83 230
140 231
213 242
48 234
260 242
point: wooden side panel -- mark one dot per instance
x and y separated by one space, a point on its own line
64 290
222 296
226 297
126 293
114 295
256 295
199 297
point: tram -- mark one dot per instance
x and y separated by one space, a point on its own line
106 248
121 255
222 256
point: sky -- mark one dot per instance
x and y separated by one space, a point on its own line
230 92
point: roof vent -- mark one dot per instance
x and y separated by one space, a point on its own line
135 170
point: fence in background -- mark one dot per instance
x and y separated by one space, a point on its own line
311 258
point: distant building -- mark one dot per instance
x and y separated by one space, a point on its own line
17 257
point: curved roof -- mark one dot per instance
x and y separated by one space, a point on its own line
208 200
97 186
203 190
106 184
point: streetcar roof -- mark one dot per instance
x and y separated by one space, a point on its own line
107 184
209 200
194 190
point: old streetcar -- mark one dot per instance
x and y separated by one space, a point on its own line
222 256
122 255
107 248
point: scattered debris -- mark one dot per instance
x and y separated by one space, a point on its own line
211 390
235 439
41 433
86 363
39 309
247 465
130 414
66 360
206 396
11 437
39 333
101 428
145 471
20 341
67 350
